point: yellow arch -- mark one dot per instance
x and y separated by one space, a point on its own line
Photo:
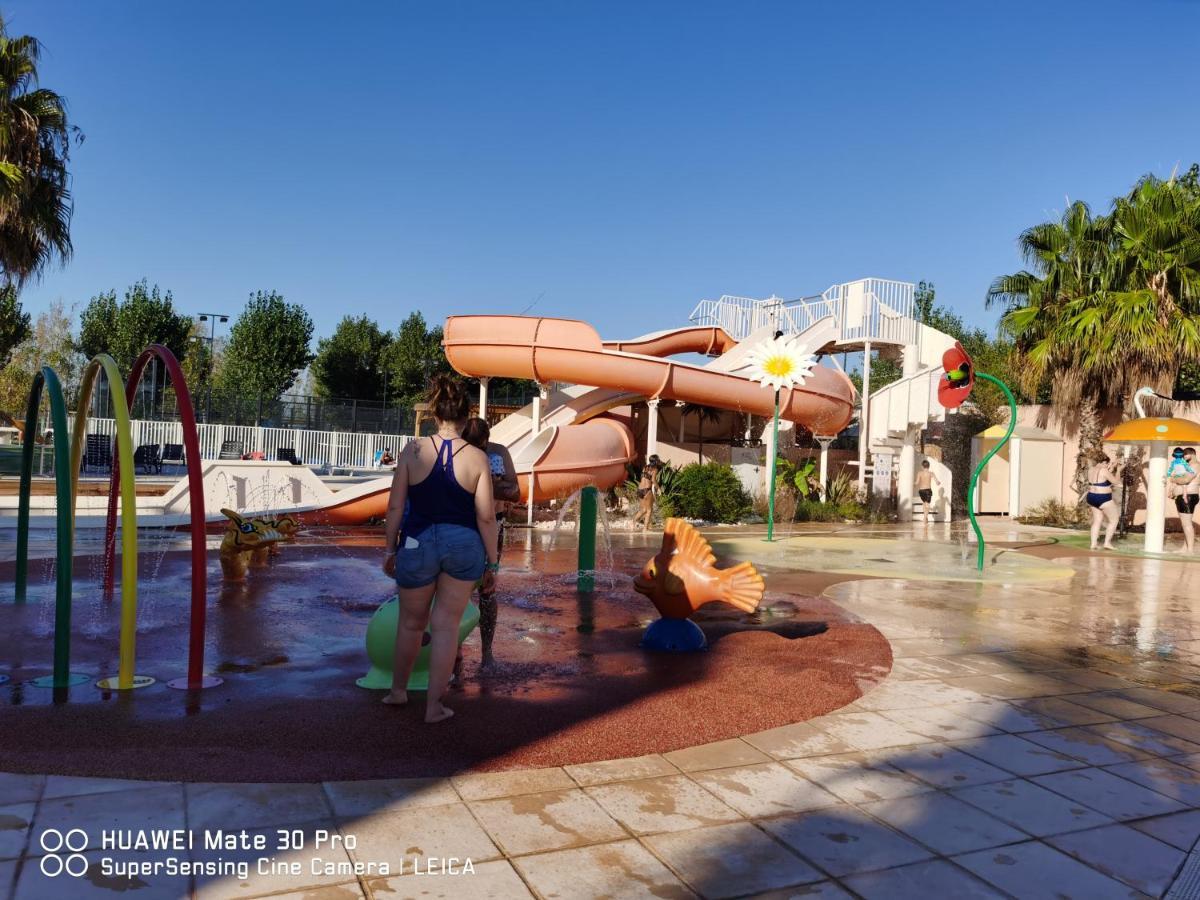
129 540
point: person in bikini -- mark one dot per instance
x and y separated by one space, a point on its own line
925 482
647 487
1101 477
1183 483
506 490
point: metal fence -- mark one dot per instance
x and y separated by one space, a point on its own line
327 449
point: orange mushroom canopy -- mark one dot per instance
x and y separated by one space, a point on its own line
1155 430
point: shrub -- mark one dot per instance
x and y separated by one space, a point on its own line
841 489
709 491
1054 514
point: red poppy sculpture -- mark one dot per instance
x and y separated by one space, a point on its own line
956 384
954 388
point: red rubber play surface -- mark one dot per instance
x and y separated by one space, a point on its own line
573 685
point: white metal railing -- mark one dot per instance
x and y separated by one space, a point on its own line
871 309
332 449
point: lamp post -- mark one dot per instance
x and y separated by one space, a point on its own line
212 319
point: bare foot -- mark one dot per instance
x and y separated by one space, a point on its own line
396 698
1109 547
437 713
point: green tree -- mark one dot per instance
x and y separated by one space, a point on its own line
124 329
348 363
49 343
413 357
14 323
267 348
923 298
35 142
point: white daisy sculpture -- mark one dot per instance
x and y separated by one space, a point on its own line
779 363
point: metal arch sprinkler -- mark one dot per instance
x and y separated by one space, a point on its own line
46 379
953 389
123 465
195 678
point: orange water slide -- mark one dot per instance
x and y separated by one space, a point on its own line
561 459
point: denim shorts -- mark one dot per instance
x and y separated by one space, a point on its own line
453 549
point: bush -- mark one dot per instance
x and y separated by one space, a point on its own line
709 491
1054 514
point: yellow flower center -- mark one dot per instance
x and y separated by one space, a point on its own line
779 366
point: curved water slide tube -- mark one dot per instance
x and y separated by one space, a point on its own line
559 458
580 441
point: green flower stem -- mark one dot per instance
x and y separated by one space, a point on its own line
1012 424
771 471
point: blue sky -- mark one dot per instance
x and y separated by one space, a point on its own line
619 161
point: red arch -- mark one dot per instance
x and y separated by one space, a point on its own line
191 448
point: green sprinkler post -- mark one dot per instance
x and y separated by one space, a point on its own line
588 505
1012 424
771 472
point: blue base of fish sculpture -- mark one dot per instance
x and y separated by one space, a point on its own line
674 636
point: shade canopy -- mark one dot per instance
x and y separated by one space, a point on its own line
1155 430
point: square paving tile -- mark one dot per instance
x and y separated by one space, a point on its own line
731 860
360 798
1180 830
1175 725
844 840
765 790
94 885
1136 734
920 881
1017 755
718 755
621 869
673 803
350 890
820 890
858 777
588 774
159 807
939 723
254 805
944 766
491 881
1165 700
944 823
1113 796
74 786
1013 716
1116 705
1034 871
796 741
1166 777
553 820
14 829
1062 711
20 788
1031 808
1085 745
867 731
1096 681
1127 855
256 883
1013 686
491 785
404 837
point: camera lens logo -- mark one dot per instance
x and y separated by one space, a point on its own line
54 843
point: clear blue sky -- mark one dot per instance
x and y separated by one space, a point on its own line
619 160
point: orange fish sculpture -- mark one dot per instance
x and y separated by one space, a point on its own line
683 576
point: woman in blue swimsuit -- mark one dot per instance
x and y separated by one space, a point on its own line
448 542
1100 499
1183 481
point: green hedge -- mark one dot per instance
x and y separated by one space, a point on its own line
711 492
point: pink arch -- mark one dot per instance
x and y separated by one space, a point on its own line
191 447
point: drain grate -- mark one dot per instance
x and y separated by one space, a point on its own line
1187 885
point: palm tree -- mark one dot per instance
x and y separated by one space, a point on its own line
35 140
1070 262
703 414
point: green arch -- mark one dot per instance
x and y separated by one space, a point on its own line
129 536
47 379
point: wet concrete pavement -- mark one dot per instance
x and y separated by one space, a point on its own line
1031 740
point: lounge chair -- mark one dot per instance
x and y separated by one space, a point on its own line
232 450
147 458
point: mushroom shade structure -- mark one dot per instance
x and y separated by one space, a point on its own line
1159 433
